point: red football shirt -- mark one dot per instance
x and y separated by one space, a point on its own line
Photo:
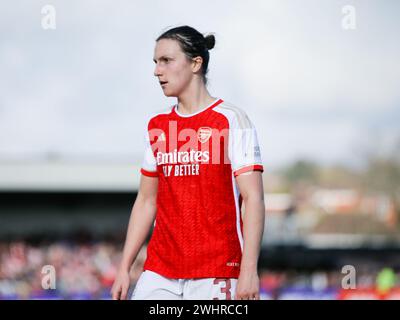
196 157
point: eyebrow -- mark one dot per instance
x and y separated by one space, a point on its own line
161 58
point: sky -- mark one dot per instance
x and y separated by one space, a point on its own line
313 89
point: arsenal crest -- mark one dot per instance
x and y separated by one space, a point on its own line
204 134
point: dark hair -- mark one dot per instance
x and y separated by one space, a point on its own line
192 43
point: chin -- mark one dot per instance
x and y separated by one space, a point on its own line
170 94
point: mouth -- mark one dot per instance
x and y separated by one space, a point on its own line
162 83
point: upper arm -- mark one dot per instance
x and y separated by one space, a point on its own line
148 189
250 185
245 157
244 149
149 163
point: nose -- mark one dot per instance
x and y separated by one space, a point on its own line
157 70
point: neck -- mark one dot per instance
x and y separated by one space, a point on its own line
195 98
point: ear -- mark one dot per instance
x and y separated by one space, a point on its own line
196 64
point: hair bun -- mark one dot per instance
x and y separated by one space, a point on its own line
210 41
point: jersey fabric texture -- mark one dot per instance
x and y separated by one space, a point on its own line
196 157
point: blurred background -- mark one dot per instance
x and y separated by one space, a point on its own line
320 81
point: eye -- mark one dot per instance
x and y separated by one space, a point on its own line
163 60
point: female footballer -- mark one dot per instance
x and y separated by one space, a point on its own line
202 162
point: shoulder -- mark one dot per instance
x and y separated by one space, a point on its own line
159 115
236 116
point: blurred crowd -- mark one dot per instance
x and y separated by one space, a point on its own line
82 271
87 271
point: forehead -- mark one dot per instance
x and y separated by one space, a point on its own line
167 47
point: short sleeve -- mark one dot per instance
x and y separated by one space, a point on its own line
149 164
244 149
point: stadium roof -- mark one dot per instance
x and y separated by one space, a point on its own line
60 176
